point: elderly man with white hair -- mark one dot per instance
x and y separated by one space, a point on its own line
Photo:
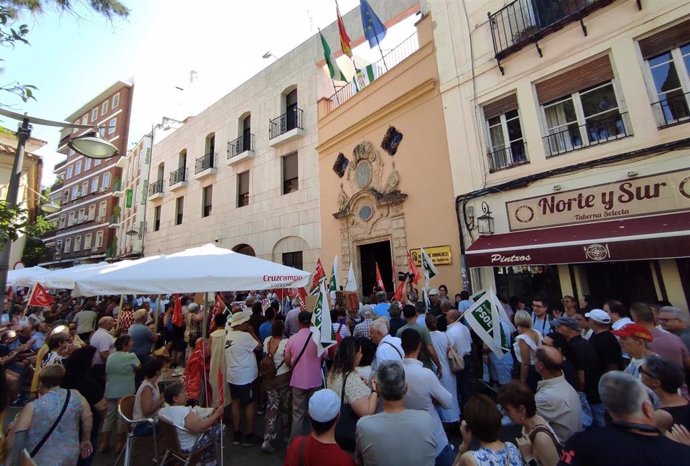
388 348
676 321
362 328
632 438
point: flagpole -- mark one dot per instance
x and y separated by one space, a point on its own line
335 90
381 52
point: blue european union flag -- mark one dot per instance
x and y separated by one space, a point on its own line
374 30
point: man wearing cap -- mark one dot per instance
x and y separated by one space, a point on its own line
241 344
605 343
319 448
665 344
582 355
636 341
302 356
434 302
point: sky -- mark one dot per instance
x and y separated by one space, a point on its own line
74 56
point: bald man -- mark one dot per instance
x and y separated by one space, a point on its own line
104 343
557 401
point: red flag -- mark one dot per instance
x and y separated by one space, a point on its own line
221 385
412 269
344 38
218 307
400 290
300 294
379 280
177 319
318 274
40 297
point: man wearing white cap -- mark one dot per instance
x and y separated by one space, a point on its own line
605 343
240 345
319 448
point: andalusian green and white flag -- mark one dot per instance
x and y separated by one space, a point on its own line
333 281
322 327
333 69
428 266
365 76
485 319
499 305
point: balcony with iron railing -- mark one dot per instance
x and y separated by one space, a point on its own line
205 165
286 127
502 157
156 189
576 137
372 72
673 110
178 178
523 22
240 148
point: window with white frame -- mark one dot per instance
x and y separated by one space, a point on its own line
71 219
94 114
112 125
667 56
99 239
506 146
102 208
116 100
85 119
104 108
81 216
58 246
87 163
75 192
77 168
106 181
68 245
68 172
85 188
96 162
63 219
65 196
581 108
94 184
92 212
77 243
87 240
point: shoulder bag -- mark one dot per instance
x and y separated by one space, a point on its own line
268 369
456 362
347 423
52 428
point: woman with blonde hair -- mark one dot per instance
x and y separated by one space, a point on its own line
525 346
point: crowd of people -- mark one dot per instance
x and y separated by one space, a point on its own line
584 384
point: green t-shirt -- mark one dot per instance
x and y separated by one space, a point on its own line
119 369
426 341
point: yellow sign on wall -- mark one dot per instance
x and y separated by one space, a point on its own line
440 255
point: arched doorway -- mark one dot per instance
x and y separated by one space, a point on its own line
245 249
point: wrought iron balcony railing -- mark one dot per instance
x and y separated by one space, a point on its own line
575 137
156 187
178 176
672 110
287 121
205 162
506 157
243 143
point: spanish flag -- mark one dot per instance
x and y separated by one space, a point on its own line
344 38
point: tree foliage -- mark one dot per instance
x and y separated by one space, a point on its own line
35 251
107 8
13 220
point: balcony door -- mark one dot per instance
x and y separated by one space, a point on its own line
291 110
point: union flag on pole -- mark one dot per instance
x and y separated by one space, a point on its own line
412 269
318 274
177 319
40 297
379 280
218 307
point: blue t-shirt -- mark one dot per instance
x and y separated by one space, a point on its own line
141 336
381 310
265 330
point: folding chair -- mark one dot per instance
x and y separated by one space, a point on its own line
168 431
126 409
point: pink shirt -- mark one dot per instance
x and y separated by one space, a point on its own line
307 373
669 346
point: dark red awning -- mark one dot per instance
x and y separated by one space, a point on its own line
656 237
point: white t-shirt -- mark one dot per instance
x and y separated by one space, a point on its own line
278 356
176 414
240 357
103 341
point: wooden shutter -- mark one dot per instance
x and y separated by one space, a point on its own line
500 106
586 75
665 40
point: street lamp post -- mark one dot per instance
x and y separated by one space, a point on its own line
88 145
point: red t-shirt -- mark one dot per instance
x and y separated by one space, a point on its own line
317 454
